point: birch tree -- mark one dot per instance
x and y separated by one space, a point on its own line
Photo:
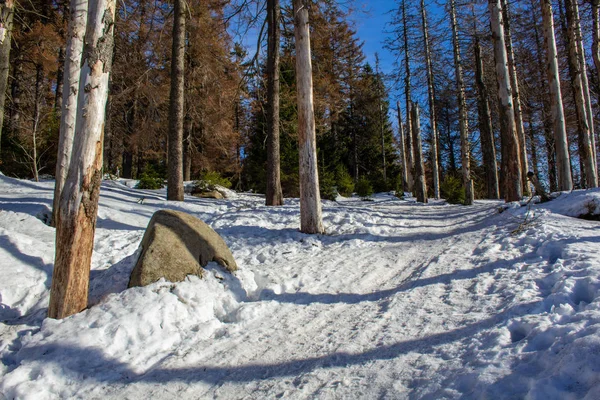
462 110
563 162
311 220
76 222
274 195
71 74
176 106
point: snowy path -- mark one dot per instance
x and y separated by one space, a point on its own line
398 300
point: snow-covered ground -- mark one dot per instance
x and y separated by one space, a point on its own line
398 300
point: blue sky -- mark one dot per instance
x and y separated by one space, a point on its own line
371 20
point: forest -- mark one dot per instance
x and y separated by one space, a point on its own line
449 61
257 199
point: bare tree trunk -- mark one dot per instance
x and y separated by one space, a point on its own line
187 148
511 163
420 182
6 26
432 115
72 71
408 97
36 118
462 111
579 90
534 157
546 107
274 195
311 220
563 163
76 221
381 126
402 149
176 108
514 83
488 148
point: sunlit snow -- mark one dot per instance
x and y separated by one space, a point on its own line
398 300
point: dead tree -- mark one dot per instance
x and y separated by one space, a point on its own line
420 185
462 111
511 163
68 117
563 162
76 222
311 220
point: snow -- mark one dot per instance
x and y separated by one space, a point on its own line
398 300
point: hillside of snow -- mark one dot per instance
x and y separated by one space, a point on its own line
398 300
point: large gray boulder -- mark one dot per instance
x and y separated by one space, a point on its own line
175 245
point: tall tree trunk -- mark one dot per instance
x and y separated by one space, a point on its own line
517 109
408 98
580 88
462 111
382 126
420 180
274 195
6 26
431 97
176 106
187 149
488 148
563 162
68 116
76 221
511 163
36 118
59 79
402 149
311 220
546 107
532 140
596 57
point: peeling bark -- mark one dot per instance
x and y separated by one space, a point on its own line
311 220
76 221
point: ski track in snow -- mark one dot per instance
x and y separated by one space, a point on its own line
398 300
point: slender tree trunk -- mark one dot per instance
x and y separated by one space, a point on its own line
511 163
563 162
532 140
596 57
580 88
72 72
274 195
36 118
311 220
546 107
514 83
431 98
176 108
402 149
488 148
408 97
420 181
15 115
381 126
76 221
462 111
59 79
187 148
585 85
7 11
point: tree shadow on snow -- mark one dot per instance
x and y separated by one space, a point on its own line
80 361
412 282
